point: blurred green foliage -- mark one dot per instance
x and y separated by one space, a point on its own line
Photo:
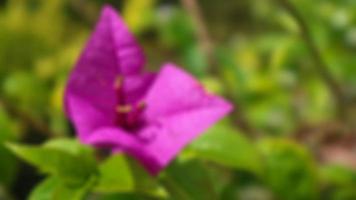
280 143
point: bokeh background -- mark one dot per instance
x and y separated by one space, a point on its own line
289 67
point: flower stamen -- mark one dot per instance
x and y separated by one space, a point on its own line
118 82
118 86
141 106
124 109
134 117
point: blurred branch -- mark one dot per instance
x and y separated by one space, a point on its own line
27 119
207 45
320 65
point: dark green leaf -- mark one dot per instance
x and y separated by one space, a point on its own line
226 146
290 170
8 164
189 180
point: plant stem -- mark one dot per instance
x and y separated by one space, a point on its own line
320 65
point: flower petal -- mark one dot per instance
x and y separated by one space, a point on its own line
86 117
175 91
176 131
181 110
178 110
120 141
156 145
111 51
112 137
136 86
114 45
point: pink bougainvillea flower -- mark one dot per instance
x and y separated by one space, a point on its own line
114 104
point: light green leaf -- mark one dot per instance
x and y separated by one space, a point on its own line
64 158
115 176
138 14
69 146
44 190
144 182
53 189
338 175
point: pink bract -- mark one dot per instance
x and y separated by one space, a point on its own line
114 104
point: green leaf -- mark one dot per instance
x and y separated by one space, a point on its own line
115 176
339 181
189 180
175 29
194 60
290 170
338 175
26 89
44 190
53 189
138 14
144 182
226 146
67 159
8 166
69 146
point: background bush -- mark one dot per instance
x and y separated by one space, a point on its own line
289 66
